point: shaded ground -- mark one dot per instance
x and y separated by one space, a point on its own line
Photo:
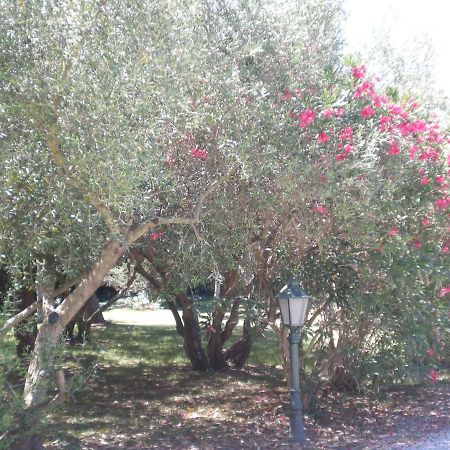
143 396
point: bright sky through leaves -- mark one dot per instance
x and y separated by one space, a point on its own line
407 20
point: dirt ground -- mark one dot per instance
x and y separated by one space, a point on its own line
135 399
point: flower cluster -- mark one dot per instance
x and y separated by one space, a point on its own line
198 152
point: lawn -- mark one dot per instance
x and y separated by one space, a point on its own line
141 393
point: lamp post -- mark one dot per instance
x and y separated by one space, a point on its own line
293 302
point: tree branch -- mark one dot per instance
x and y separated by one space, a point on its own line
57 156
208 192
113 300
135 232
13 321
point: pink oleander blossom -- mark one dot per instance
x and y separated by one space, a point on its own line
367 111
365 88
155 235
384 123
404 128
321 209
286 95
327 113
430 352
323 137
393 231
442 203
412 151
393 149
395 109
418 126
426 222
348 148
424 181
440 179
359 72
346 134
307 117
198 152
341 156
379 100
443 291
435 136
170 160
433 375
322 178
430 153
416 243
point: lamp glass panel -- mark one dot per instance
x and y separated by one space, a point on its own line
298 307
284 309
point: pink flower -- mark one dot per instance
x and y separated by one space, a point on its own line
359 72
367 111
404 128
424 181
322 178
431 153
393 231
155 235
286 95
379 100
321 209
346 134
426 222
393 149
384 123
442 203
416 243
418 126
421 171
307 117
322 138
443 291
395 109
327 113
430 352
198 153
434 136
440 179
170 160
348 148
341 156
366 87
433 375
445 248
412 151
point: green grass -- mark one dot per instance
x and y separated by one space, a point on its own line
143 394
143 386
156 346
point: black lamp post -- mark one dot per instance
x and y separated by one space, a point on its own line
293 302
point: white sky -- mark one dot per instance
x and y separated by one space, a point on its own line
407 19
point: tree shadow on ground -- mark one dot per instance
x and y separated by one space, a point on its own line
144 395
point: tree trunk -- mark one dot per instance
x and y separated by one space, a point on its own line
239 352
192 337
217 338
50 333
216 355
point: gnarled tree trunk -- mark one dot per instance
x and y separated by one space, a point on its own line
50 332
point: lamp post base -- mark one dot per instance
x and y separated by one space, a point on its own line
297 427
